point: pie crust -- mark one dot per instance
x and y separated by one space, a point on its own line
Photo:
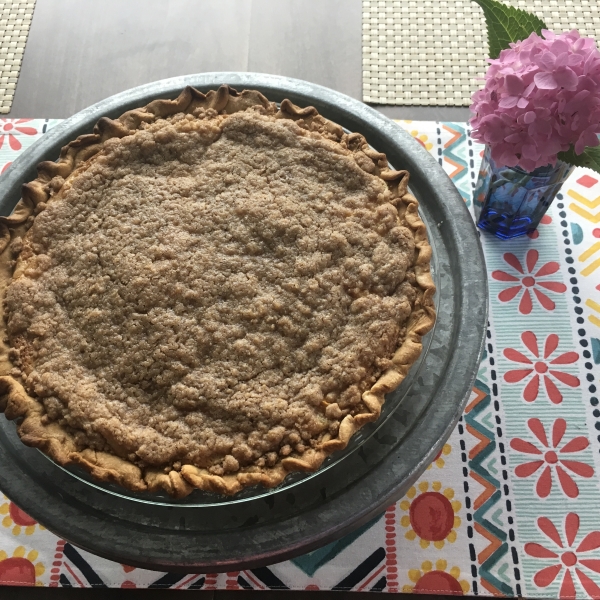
209 292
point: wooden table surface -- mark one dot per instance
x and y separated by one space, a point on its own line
81 51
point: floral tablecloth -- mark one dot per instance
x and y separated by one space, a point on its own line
510 505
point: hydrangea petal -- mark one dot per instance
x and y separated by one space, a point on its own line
559 47
514 85
530 151
508 101
566 77
547 60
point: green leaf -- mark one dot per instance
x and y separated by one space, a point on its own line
590 158
506 24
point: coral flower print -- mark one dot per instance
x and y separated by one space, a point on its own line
9 126
567 559
532 280
541 369
552 456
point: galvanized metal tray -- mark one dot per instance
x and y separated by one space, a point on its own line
207 533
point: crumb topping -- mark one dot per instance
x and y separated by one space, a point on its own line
213 290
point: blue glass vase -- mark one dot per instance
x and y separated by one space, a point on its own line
509 201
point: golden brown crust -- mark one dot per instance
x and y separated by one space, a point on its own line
59 444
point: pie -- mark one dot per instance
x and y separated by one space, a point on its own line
209 292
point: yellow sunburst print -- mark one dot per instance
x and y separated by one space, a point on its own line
20 568
17 520
439 461
422 139
428 580
431 514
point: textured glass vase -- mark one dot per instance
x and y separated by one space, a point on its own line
510 201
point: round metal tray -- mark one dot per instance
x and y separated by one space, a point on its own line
262 527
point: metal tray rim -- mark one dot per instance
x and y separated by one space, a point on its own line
469 329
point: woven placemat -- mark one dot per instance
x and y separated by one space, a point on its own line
430 51
15 19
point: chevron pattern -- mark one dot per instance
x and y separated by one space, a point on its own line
596 307
455 159
481 464
588 205
594 249
584 217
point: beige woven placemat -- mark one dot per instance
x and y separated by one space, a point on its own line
430 51
15 19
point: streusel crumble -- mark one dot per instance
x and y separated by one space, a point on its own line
213 297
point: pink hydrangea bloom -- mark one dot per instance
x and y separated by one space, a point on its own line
541 95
